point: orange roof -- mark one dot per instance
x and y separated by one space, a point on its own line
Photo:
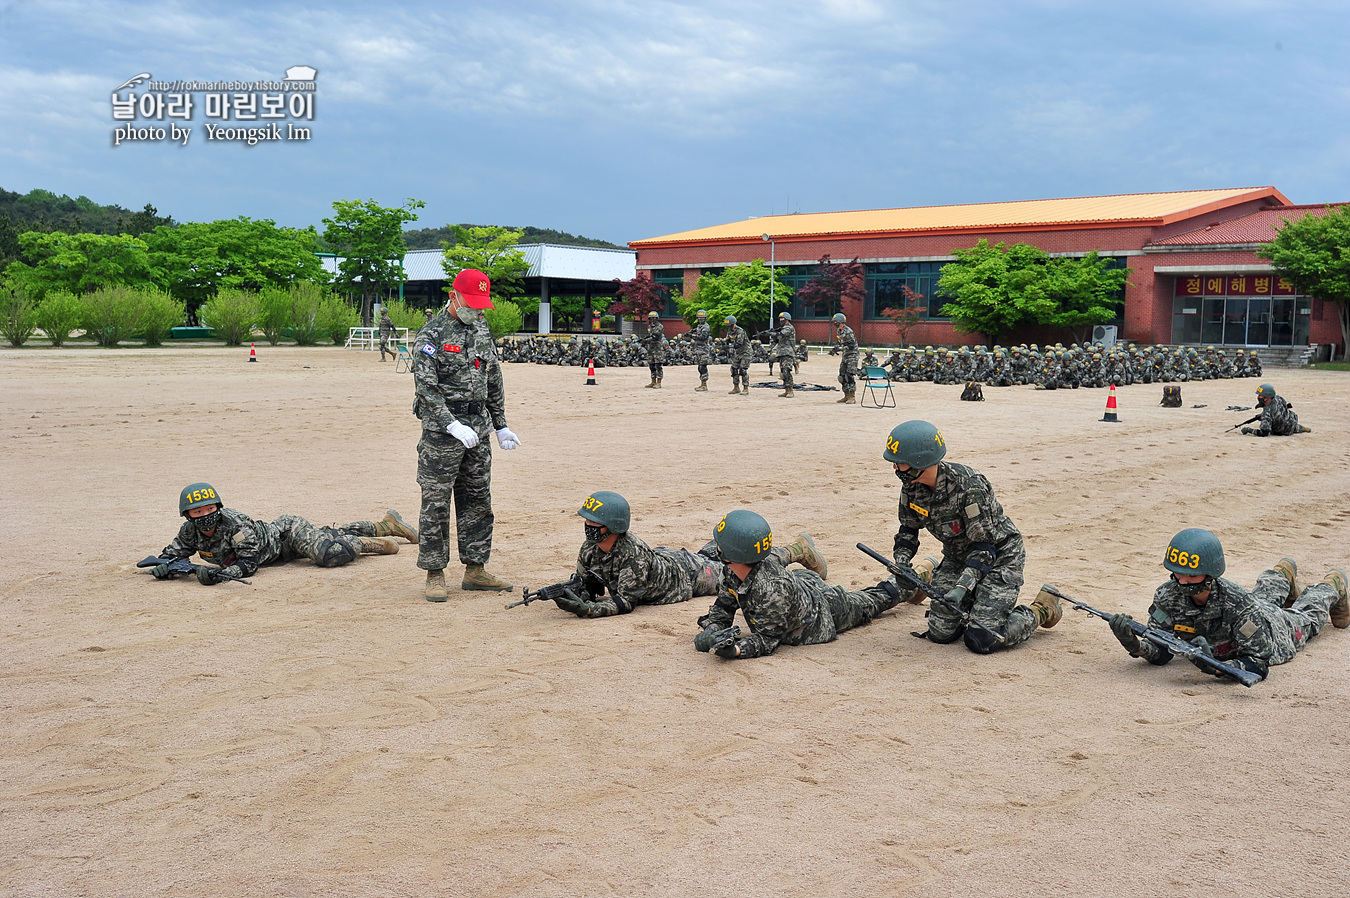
1137 209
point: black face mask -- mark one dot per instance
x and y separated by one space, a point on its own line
1191 590
595 533
207 522
909 476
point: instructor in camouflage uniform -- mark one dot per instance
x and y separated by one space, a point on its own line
460 398
701 336
386 334
654 341
738 345
785 349
780 607
848 365
612 559
1277 416
982 552
238 545
1250 629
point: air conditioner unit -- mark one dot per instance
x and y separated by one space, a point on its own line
1104 334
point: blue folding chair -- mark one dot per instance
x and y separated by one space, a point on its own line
876 379
404 362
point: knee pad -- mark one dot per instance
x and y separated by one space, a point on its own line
944 640
980 642
334 553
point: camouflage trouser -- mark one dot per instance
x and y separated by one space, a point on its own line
848 368
447 472
384 347
1292 627
656 369
853 609
705 574
786 363
740 370
325 546
702 359
993 602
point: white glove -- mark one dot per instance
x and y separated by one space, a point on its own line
507 440
464 433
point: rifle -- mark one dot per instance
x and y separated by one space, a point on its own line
183 566
569 588
1250 420
908 576
1165 640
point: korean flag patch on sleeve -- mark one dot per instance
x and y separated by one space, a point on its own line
428 349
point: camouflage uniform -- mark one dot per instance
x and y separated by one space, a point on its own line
741 354
457 378
848 365
701 335
795 607
654 341
1278 418
1239 623
636 574
981 550
785 350
386 334
241 545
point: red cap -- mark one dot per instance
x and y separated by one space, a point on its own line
474 288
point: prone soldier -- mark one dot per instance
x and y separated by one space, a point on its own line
1277 415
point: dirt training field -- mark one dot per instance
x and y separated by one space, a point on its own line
329 732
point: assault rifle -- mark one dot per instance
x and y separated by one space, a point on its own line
907 575
1251 420
725 638
570 588
1161 638
183 566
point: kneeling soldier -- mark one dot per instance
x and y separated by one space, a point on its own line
612 559
240 545
982 551
1250 629
780 607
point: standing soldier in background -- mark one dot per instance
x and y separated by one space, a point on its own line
386 333
785 348
654 341
848 365
738 344
701 336
460 397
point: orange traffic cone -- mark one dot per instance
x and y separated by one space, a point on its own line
252 353
590 372
1111 407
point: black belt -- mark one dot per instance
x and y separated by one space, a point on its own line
466 408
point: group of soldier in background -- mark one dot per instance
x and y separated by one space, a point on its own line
627 352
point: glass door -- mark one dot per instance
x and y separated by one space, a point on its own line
1235 321
1302 319
1258 322
1282 321
1211 326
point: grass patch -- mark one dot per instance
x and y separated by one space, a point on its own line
1331 366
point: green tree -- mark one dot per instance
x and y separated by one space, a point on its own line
404 315
1314 254
993 290
307 310
197 260
1078 293
159 314
743 291
80 262
231 313
59 315
18 316
494 252
111 314
337 318
503 319
274 313
369 239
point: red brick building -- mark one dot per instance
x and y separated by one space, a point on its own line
1195 276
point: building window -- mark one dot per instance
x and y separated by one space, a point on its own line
672 279
885 282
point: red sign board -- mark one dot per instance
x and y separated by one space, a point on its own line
1233 285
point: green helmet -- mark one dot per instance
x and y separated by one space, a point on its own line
1266 391
701 314
731 320
652 314
838 318
195 495
607 508
915 443
784 316
1195 551
743 537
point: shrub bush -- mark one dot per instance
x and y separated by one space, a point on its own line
231 313
338 319
503 320
274 313
307 322
59 315
159 314
18 316
404 315
111 314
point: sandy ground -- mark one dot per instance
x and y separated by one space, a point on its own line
329 732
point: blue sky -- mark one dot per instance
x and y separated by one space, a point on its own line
624 120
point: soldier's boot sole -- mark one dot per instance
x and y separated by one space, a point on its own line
436 591
924 567
803 551
1047 608
1340 609
392 524
476 578
376 545
1289 568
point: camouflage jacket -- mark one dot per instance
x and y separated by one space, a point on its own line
1236 623
781 607
1278 418
785 340
456 362
386 327
739 341
635 574
701 336
239 544
848 345
655 342
965 517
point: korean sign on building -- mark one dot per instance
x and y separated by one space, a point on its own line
247 112
1234 285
